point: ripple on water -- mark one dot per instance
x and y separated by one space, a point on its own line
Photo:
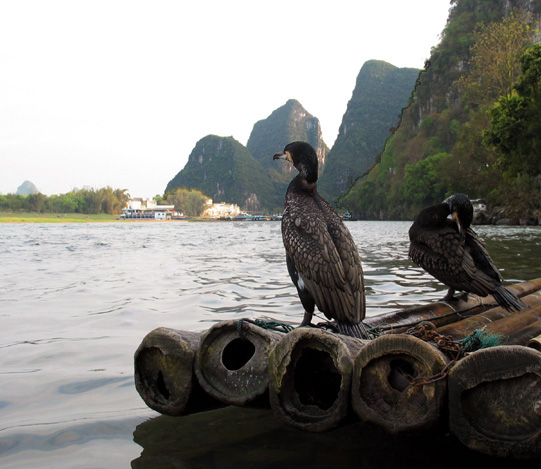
90 385
77 299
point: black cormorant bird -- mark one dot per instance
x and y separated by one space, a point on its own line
321 257
450 250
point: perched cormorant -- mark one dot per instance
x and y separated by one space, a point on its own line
450 250
322 259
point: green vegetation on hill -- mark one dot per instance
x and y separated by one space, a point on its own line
381 92
443 144
515 134
225 170
289 123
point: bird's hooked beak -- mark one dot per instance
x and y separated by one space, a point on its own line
283 155
455 218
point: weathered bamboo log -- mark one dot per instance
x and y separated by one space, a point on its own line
495 401
441 313
519 327
496 320
535 343
404 318
164 374
231 362
390 385
525 335
310 377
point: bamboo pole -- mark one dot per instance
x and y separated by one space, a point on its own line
310 378
164 376
496 320
396 321
495 401
525 335
232 360
441 313
384 392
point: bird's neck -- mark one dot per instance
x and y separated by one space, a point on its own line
433 216
308 173
301 184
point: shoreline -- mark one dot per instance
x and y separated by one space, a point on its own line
21 220
8 217
18 218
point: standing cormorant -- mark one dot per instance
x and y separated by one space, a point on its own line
450 250
322 259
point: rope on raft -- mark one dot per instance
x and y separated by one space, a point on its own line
358 330
480 338
269 325
426 331
456 349
376 331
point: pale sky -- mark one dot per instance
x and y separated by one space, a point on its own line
117 93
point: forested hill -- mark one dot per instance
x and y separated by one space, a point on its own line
289 123
381 91
474 123
224 170
286 124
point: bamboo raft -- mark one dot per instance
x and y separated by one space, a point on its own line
427 368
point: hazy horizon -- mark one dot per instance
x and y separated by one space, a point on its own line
118 93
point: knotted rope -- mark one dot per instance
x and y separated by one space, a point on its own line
455 349
269 325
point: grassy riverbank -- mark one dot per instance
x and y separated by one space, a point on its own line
11 217
24 217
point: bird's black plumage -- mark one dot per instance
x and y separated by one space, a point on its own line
450 250
321 256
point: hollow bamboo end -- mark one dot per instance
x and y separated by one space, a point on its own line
495 401
164 370
233 368
392 386
310 376
535 343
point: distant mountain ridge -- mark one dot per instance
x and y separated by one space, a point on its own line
381 92
439 147
27 188
288 123
225 170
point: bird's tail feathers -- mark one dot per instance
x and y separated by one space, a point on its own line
353 330
508 300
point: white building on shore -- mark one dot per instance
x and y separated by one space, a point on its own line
220 210
140 208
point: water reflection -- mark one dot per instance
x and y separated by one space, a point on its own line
241 437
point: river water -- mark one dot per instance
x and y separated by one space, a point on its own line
77 299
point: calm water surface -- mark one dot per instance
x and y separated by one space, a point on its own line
77 299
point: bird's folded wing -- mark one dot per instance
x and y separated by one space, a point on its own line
347 250
442 253
481 256
318 262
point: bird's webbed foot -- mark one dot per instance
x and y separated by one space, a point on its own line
463 296
450 295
